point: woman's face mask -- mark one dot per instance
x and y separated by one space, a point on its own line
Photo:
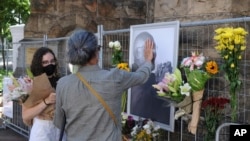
50 69
49 64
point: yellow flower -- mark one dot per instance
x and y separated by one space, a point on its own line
240 31
242 48
143 136
232 65
231 47
225 57
212 67
234 40
239 57
237 39
218 48
123 66
219 31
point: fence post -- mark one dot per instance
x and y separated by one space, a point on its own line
220 127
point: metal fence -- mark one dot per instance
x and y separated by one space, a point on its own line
194 36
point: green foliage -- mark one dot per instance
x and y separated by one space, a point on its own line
12 12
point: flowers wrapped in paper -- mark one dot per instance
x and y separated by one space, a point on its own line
197 72
40 90
174 89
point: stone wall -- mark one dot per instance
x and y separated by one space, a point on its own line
58 18
198 10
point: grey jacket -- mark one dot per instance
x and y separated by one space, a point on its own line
86 118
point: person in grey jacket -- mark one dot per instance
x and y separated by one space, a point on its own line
86 117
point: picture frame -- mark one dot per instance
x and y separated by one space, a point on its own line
143 102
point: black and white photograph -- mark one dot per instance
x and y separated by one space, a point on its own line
143 101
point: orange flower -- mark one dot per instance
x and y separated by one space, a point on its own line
212 67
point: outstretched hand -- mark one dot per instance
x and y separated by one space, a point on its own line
148 50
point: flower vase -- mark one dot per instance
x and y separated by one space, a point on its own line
197 99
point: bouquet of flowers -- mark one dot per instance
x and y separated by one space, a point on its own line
145 130
117 62
197 71
173 88
213 113
123 66
20 89
231 42
128 124
117 52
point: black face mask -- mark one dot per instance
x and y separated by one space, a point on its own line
50 69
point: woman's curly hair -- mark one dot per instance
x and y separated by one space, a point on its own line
36 64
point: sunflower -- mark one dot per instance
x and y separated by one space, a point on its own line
212 67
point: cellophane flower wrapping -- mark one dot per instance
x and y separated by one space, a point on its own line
20 89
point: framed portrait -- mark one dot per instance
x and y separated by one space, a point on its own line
143 101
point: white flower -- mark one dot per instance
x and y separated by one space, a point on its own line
146 126
156 128
124 115
17 92
185 89
111 44
21 88
134 130
155 134
117 45
148 131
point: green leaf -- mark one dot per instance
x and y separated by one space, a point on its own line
177 73
172 89
29 73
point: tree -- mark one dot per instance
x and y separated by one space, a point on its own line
12 12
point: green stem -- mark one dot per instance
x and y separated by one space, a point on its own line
124 101
233 103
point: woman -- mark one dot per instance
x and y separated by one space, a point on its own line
44 61
86 118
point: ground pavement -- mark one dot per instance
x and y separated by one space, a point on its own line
7 134
10 135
